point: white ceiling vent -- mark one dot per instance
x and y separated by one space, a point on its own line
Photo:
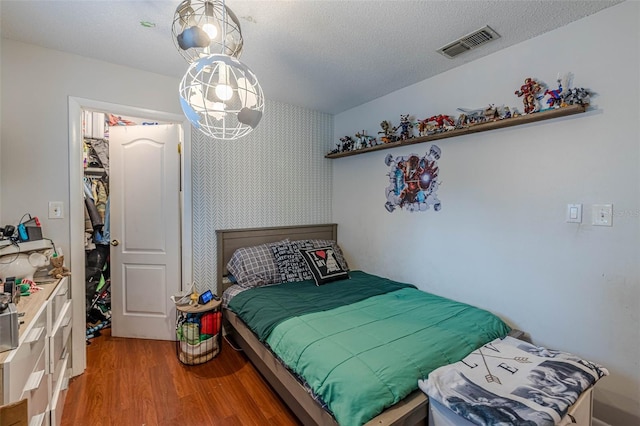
470 41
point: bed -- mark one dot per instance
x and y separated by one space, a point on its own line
411 410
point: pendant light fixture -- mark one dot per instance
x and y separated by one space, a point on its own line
219 94
221 97
203 28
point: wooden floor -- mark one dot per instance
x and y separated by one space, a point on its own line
133 382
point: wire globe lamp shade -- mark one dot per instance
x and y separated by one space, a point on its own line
221 97
205 27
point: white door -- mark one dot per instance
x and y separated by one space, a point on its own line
144 213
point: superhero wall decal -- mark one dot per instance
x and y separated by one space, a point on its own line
413 181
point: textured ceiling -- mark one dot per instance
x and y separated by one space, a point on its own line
324 55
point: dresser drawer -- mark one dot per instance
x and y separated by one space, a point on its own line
60 392
61 364
59 337
36 389
23 360
41 419
58 298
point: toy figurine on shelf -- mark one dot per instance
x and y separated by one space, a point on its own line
491 113
365 140
506 113
336 149
443 122
426 128
577 95
348 144
469 117
528 92
405 127
388 132
554 97
571 96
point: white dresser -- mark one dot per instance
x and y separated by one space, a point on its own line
40 367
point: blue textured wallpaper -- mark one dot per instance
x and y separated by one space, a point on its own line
275 176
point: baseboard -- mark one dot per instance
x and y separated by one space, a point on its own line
614 415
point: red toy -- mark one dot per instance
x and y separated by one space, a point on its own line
443 122
528 92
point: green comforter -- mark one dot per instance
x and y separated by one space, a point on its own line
263 308
363 357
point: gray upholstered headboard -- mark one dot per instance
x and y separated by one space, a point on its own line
231 239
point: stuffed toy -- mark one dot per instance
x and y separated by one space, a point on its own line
58 270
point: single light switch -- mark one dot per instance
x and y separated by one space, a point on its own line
574 213
602 214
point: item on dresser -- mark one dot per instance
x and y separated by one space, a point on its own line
21 265
513 381
9 288
5 299
9 325
58 270
31 229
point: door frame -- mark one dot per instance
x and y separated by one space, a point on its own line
76 207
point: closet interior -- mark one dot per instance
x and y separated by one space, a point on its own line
96 224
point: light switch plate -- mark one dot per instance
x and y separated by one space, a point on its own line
574 213
602 214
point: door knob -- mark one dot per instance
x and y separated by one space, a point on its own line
115 242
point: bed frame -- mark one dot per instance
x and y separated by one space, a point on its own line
413 410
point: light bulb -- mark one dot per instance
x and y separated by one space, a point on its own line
209 26
223 90
211 30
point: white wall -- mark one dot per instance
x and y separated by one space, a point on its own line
36 84
501 241
277 175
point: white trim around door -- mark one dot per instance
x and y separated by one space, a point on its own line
76 208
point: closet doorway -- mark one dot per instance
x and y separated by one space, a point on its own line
150 223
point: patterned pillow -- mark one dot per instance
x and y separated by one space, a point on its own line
290 263
324 265
337 251
254 266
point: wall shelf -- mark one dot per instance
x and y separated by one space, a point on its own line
474 128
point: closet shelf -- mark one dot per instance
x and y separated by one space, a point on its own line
474 128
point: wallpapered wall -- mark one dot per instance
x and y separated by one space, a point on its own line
275 176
